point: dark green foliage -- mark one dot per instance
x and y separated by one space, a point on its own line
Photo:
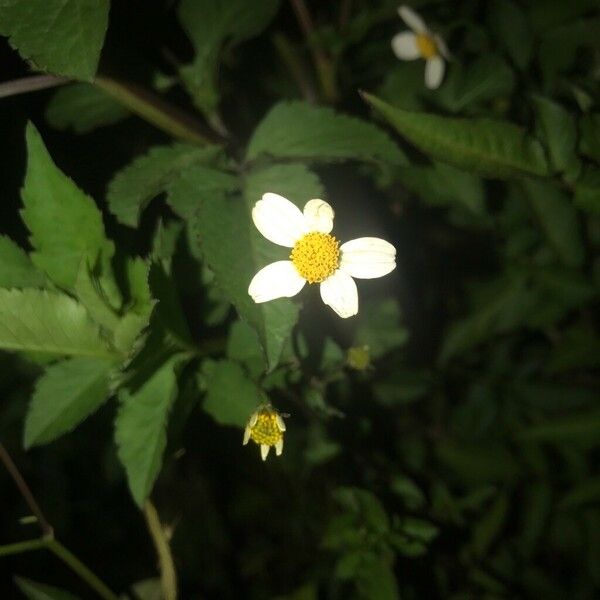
441 444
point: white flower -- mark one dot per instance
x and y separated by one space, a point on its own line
421 43
265 427
316 257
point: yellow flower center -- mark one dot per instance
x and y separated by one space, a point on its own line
316 256
266 430
426 45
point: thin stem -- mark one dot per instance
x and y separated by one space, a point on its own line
295 66
156 111
168 576
20 547
30 84
323 65
25 492
78 567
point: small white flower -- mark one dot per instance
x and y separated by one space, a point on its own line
316 257
421 42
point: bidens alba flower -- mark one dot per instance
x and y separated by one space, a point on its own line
316 257
421 43
265 427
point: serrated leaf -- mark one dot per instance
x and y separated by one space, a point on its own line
558 219
64 396
89 292
63 37
83 108
16 270
231 396
557 128
210 24
32 590
65 224
48 322
235 263
493 148
298 130
132 188
141 428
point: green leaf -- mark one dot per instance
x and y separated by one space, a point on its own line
487 79
377 581
299 130
132 188
141 428
590 136
558 219
89 292
65 224
16 270
83 108
487 146
444 185
231 397
582 429
556 127
195 185
67 393
512 31
63 37
210 24
33 590
507 305
235 262
379 327
583 494
587 191
243 346
48 322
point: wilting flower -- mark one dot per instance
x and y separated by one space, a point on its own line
265 427
421 43
317 256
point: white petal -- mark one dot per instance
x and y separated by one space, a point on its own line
279 220
434 72
279 447
264 451
253 419
339 291
277 280
280 423
246 435
442 46
319 216
367 258
412 19
405 46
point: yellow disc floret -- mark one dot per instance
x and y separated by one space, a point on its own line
427 46
266 429
316 256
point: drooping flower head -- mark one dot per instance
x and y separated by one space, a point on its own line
316 256
265 427
421 42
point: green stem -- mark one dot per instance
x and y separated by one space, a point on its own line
20 547
168 575
155 110
323 64
78 567
295 66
